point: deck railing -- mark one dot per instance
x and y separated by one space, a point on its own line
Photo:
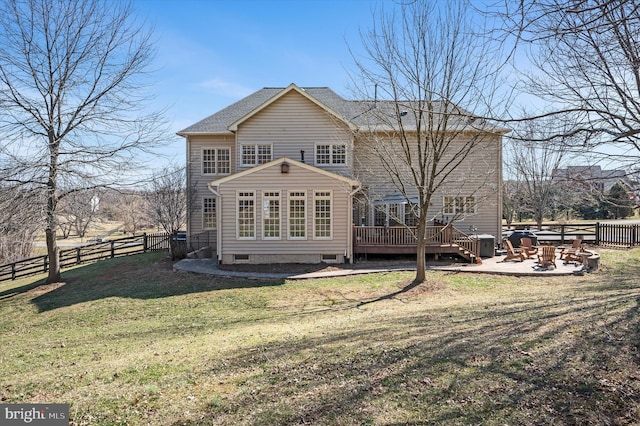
385 235
405 236
467 242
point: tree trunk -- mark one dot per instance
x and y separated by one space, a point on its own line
54 256
421 274
420 251
539 220
52 221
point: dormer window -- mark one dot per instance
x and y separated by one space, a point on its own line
331 154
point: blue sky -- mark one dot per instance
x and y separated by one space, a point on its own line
213 52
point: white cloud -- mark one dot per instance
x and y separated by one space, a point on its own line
226 88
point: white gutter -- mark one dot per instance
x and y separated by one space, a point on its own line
188 185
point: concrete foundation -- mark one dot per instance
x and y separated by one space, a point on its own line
282 258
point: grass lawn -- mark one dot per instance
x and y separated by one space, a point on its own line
129 342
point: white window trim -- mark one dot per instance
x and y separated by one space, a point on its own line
215 161
455 204
204 227
255 146
306 215
330 198
264 208
331 159
238 198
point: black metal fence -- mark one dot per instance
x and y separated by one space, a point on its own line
125 246
618 235
624 235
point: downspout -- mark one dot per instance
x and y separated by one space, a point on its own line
350 233
218 220
189 194
500 193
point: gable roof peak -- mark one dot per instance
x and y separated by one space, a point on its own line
310 94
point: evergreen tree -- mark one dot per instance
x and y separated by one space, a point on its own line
617 204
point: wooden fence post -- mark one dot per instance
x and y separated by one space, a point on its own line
145 242
78 257
597 233
112 250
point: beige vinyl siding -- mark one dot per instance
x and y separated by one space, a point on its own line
293 124
297 180
479 176
198 181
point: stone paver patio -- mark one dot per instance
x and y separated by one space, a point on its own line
491 265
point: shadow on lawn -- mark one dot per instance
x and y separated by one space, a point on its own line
137 277
14 291
534 361
563 359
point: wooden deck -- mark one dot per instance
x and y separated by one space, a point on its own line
402 240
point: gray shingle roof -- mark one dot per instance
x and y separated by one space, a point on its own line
379 115
221 120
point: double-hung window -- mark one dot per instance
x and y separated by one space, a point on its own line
331 154
208 213
255 154
388 215
411 214
459 205
396 215
246 215
271 215
322 224
216 161
297 215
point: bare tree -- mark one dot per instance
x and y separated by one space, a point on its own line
133 211
19 221
77 210
532 164
512 199
73 93
586 67
167 201
167 198
428 70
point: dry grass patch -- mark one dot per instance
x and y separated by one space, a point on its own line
130 342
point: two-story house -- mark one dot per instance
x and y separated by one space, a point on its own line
284 175
594 179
